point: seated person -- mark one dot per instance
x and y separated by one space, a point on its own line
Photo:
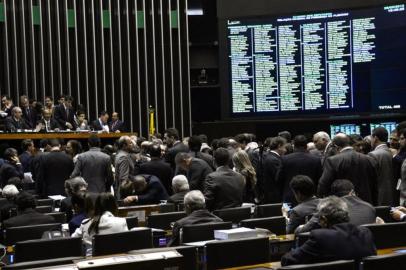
9 192
101 124
399 213
116 125
79 214
12 166
359 211
102 222
143 189
81 121
47 123
26 214
15 122
72 186
336 240
195 208
303 190
180 187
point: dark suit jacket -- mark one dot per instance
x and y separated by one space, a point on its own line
54 169
197 173
196 217
53 125
30 117
343 241
11 125
28 217
170 155
61 116
268 181
356 167
297 216
9 170
178 197
160 169
117 125
25 159
360 212
95 125
5 210
154 193
224 188
299 162
206 157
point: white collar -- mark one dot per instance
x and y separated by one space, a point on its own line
275 153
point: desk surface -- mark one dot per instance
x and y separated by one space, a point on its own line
270 265
63 135
387 251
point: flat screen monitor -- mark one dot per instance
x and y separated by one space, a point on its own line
338 62
389 126
348 129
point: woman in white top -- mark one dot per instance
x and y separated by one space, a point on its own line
102 222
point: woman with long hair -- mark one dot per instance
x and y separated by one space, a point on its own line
73 149
103 221
242 164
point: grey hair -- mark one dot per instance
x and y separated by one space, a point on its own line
323 135
180 183
10 191
194 200
334 209
74 184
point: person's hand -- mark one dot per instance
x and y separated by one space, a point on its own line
130 199
15 160
69 125
56 129
379 220
285 212
118 131
396 214
401 209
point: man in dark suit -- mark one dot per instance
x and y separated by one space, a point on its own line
348 164
195 143
303 189
26 213
29 113
224 188
15 122
47 123
321 140
337 240
196 169
143 189
180 187
9 192
174 146
300 162
65 115
6 106
95 167
383 157
156 166
28 154
100 124
12 166
54 168
197 213
269 169
116 125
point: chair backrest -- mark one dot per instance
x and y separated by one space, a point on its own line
336 265
167 208
105 244
276 225
189 253
44 209
269 210
59 217
202 232
44 249
232 253
42 263
45 202
390 261
384 213
163 221
23 233
180 206
389 234
3 201
132 222
235 215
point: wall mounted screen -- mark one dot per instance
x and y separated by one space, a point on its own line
328 63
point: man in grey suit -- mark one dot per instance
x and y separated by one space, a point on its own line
95 167
383 156
224 188
124 166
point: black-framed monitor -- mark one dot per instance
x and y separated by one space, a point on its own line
389 126
348 129
343 61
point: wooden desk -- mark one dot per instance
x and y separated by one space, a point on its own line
140 211
387 251
62 135
270 265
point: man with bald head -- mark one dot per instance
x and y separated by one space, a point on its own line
15 122
348 164
321 139
47 123
143 189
